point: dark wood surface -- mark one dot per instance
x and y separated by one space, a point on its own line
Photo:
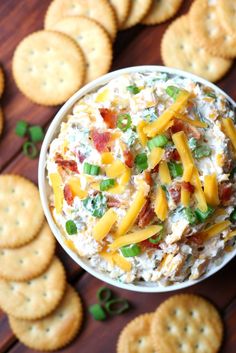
137 46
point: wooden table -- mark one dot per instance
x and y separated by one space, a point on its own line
137 46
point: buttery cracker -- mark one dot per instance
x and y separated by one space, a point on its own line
20 211
48 67
30 260
121 8
161 11
100 11
55 330
179 50
227 15
208 32
36 298
135 337
186 323
138 10
92 39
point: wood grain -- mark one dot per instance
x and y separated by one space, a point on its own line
136 46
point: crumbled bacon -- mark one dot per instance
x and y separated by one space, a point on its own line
187 186
68 195
189 130
66 164
101 140
175 192
147 244
81 156
196 238
109 116
129 158
155 169
146 215
172 155
148 178
113 202
225 192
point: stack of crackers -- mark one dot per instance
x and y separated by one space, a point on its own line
45 313
75 46
1 93
183 323
203 41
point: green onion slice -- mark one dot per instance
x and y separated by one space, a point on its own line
156 238
21 128
141 161
202 216
158 141
202 151
107 184
71 227
176 169
190 215
97 312
117 306
124 122
36 133
91 169
104 294
133 89
130 250
173 91
30 150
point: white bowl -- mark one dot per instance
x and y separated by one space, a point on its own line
44 187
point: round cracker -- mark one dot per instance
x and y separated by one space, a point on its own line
20 210
1 121
179 50
92 39
36 298
100 11
54 331
161 11
122 8
138 10
208 31
29 261
48 67
2 82
186 323
135 337
227 15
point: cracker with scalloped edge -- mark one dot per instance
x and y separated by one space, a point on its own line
179 50
208 32
138 10
55 330
161 11
227 15
122 8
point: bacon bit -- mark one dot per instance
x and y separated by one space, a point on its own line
81 157
172 155
147 244
68 195
196 238
190 130
101 140
146 215
187 186
175 192
178 126
113 202
109 116
66 164
156 169
225 192
129 158
148 178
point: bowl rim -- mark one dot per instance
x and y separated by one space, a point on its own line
145 287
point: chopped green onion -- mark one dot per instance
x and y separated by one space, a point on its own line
233 216
158 141
104 294
133 89
176 169
91 169
96 205
36 133
211 95
141 161
30 150
97 312
190 215
192 142
21 128
107 184
173 91
71 227
116 306
202 216
156 238
124 122
202 151
130 250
